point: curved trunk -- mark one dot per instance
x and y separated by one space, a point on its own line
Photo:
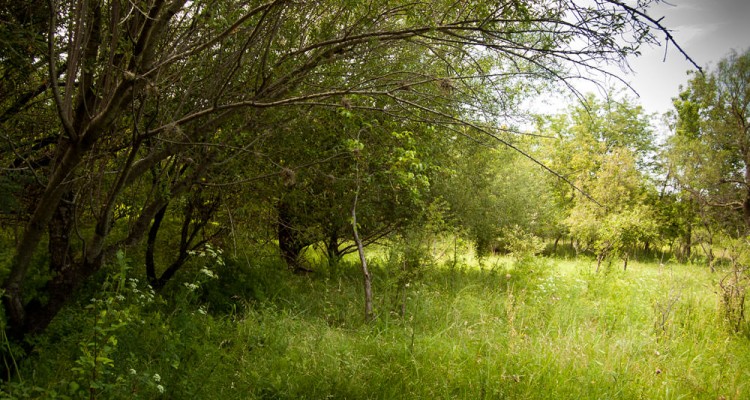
151 246
46 207
189 232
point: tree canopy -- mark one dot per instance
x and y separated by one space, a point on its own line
112 111
710 153
605 150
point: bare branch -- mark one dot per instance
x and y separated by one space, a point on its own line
635 12
63 115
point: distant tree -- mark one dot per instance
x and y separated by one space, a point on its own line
604 150
490 190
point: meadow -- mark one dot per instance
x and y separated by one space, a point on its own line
536 328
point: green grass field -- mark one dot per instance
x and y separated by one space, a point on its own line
544 329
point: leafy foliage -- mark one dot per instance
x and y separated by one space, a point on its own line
145 104
709 153
260 128
604 151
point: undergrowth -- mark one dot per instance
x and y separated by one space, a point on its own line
527 328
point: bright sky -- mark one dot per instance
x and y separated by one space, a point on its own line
706 29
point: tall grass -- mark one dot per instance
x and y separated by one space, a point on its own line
533 329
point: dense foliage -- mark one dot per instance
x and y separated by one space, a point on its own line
181 182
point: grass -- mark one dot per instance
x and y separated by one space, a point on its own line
539 329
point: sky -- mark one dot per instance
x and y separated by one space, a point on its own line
706 29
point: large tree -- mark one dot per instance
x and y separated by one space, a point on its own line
120 107
709 152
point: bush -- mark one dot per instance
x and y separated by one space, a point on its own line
522 245
124 342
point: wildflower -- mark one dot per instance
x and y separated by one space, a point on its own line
132 371
157 378
160 388
202 310
208 273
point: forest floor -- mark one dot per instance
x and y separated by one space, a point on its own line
543 328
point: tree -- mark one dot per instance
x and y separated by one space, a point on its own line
175 85
331 153
709 152
490 190
603 150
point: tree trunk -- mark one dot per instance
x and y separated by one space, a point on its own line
191 226
554 247
289 244
61 266
689 242
151 245
59 228
46 206
367 279
59 290
333 253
